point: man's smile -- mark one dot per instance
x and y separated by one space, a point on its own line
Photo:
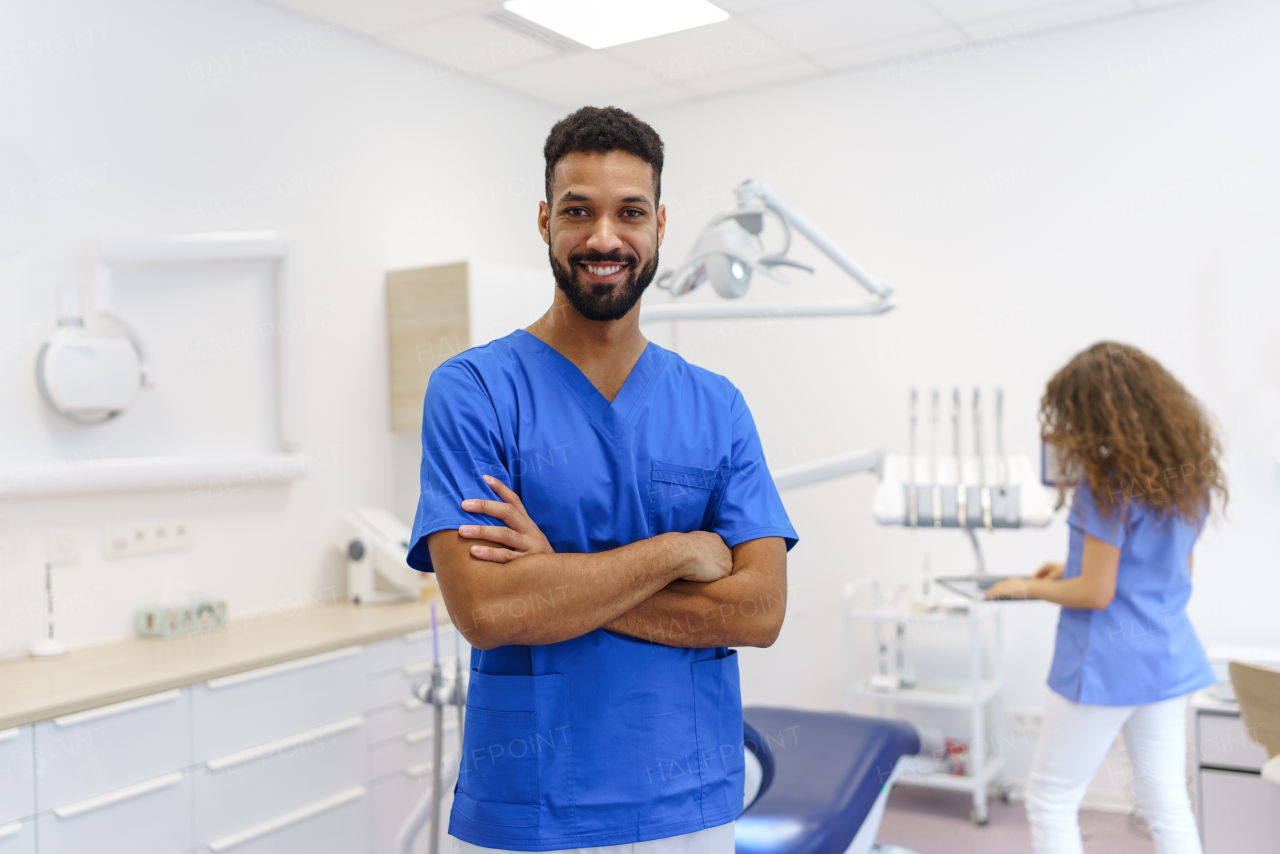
608 271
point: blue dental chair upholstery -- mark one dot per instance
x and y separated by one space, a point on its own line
822 773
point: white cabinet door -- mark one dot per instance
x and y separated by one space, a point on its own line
338 824
1221 742
243 790
18 837
1240 813
103 749
258 706
150 817
17 784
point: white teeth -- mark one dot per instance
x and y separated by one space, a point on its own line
597 270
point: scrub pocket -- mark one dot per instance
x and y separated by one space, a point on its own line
684 498
718 722
498 783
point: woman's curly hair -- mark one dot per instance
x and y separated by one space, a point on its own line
1120 421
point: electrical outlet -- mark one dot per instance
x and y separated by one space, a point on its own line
61 547
1025 718
145 538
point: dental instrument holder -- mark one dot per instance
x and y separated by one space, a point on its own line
437 693
964 505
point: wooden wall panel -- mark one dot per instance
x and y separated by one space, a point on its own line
427 322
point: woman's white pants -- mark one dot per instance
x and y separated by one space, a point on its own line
1074 739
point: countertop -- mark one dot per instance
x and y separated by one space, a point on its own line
36 689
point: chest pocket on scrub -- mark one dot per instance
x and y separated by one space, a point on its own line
684 498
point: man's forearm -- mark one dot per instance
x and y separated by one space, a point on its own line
745 609
548 598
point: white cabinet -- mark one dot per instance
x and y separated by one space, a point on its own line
17 790
338 824
1238 812
242 790
110 747
18 837
251 708
148 817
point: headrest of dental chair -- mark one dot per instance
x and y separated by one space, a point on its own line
822 774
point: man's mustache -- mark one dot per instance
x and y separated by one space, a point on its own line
615 256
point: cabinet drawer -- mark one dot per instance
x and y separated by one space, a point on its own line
87 753
412 749
18 837
150 817
253 786
395 686
391 801
252 708
1223 743
1239 813
400 718
337 824
17 783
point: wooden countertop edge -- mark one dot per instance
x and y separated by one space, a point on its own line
399 623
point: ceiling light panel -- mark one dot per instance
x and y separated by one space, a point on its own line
605 23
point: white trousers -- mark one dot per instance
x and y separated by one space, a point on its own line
712 840
1074 739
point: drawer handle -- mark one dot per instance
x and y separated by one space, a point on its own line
424 768
6 734
105 800
118 708
283 667
251 833
282 744
7 830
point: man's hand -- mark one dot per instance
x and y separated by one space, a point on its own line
1011 588
709 559
520 535
706 558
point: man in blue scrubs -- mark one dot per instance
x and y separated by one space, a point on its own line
603 528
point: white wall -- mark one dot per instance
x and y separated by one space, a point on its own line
140 117
1027 197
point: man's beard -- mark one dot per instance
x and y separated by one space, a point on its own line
603 302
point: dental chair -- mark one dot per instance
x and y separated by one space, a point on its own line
820 780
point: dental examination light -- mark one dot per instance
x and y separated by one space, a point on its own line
85 374
728 253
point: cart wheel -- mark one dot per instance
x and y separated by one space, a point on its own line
979 816
1008 794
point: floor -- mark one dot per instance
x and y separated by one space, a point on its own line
931 821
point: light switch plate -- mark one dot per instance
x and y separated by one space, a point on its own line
61 546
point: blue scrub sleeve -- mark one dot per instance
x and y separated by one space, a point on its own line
460 443
1086 516
751 507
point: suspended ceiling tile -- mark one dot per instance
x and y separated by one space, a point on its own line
590 77
737 7
472 43
378 16
822 25
1048 18
871 53
960 11
653 97
1161 4
781 71
703 52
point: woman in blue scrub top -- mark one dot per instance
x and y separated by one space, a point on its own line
604 529
1126 657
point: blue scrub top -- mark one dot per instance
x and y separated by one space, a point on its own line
1141 648
603 739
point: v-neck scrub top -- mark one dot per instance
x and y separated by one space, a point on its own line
603 739
1141 648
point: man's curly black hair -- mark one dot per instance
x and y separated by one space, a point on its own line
601 130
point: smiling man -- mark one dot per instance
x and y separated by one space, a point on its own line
603 528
